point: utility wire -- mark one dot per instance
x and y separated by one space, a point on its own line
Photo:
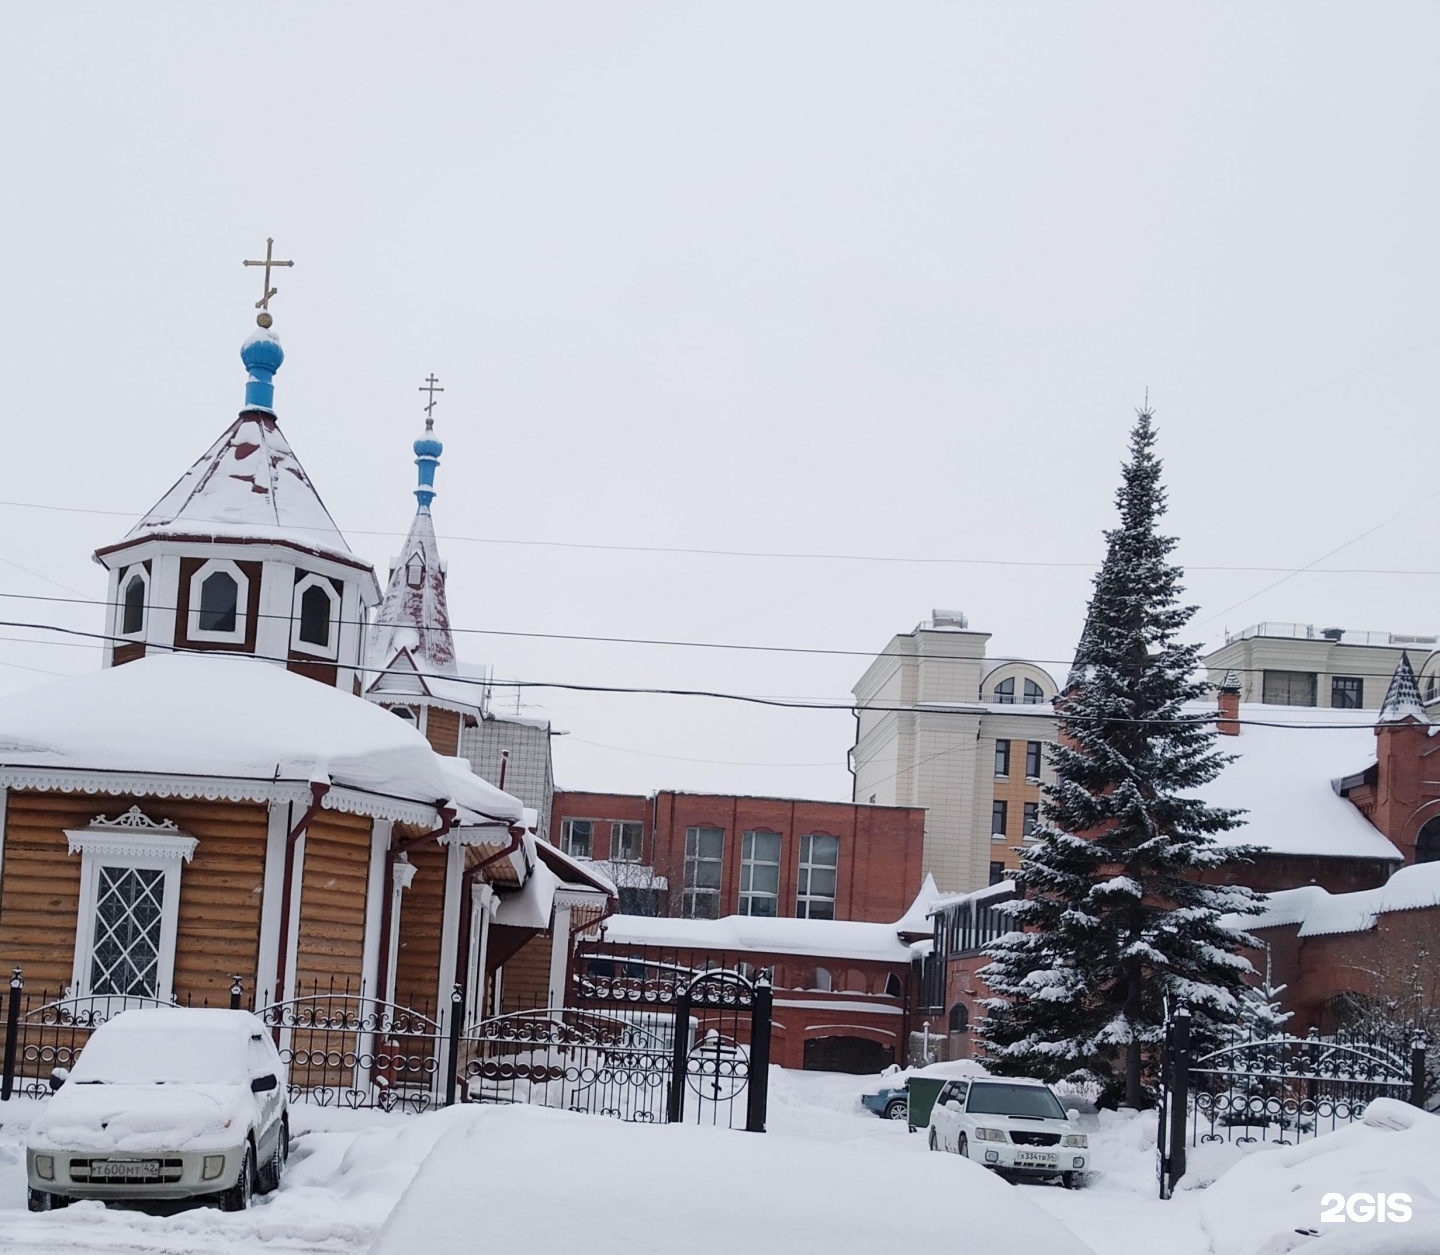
784 703
818 651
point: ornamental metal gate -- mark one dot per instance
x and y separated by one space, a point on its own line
645 1042
1277 1088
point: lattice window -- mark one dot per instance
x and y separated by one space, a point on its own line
129 904
129 915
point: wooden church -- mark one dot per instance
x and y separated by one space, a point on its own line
225 805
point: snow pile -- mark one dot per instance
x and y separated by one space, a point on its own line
701 1189
1281 778
276 726
1270 1203
1321 913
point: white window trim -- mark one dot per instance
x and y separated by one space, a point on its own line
332 650
242 603
125 577
616 824
810 866
132 840
566 837
752 862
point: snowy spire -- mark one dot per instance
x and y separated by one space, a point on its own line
1402 698
414 617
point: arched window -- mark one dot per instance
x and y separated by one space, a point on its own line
219 602
219 591
1005 692
959 1018
315 617
893 987
132 616
822 980
1034 694
1427 842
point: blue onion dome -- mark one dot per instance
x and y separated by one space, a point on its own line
428 447
262 351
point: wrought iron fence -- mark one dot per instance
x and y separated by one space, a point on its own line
343 1049
45 1030
1276 1088
652 1044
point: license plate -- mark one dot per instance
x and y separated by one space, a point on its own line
1035 1156
124 1169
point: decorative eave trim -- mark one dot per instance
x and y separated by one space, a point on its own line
572 896
129 842
212 789
403 873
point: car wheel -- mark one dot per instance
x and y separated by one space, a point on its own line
237 1197
962 1147
39 1200
934 1140
897 1109
275 1166
1072 1180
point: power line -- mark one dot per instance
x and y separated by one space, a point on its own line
783 703
776 555
819 651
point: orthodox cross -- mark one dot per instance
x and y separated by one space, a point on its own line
263 304
431 385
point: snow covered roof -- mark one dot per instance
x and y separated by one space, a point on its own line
206 717
575 870
247 486
413 616
1282 777
818 938
1402 698
1000 890
1321 913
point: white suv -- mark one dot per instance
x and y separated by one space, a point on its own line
1013 1125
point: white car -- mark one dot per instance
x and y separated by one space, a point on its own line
1012 1125
165 1104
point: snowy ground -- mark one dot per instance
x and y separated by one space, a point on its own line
831 1175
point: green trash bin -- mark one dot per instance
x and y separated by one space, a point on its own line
920 1095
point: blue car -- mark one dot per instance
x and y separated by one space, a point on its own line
890 1102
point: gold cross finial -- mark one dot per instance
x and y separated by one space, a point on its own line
263 304
431 385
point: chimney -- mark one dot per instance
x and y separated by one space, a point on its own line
1228 699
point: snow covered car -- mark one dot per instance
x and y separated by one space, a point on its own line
1012 1125
165 1104
890 1102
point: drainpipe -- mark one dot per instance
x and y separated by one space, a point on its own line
318 790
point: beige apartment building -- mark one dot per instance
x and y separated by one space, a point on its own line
942 726
1293 664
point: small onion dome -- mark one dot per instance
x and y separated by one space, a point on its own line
428 447
262 351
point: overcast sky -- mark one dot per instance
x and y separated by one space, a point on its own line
885 281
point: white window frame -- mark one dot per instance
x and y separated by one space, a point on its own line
332 650
133 841
691 891
566 837
807 869
748 863
242 602
617 828
125 577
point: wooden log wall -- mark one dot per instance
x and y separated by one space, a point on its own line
526 984
220 889
422 915
331 940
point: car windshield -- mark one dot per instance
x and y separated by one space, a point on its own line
990 1099
194 1057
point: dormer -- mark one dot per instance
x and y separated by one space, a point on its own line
241 555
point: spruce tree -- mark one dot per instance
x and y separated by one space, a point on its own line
1115 920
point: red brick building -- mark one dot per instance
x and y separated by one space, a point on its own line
704 856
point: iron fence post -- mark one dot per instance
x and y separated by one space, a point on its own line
12 1032
1162 1159
457 1000
237 989
679 1057
759 1067
1417 1069
1179 1096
